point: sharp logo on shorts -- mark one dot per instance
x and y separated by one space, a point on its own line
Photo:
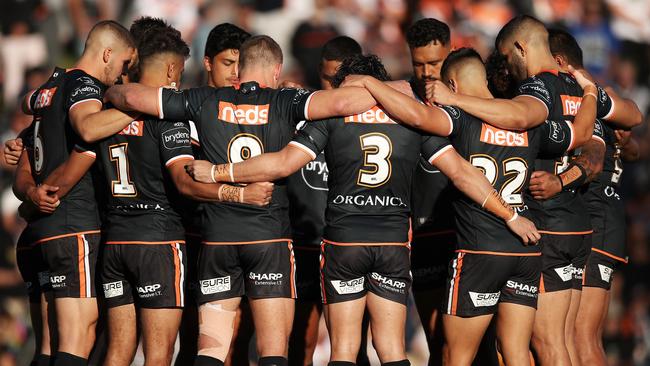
388 283
266 279
565 273
113 289
215 285
522 289
570 104
605 273
149 291
348 287
44 98
495 136
134 128
244 114
481 299
373 115
57 281
577 273
361 200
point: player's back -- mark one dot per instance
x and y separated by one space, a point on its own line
371 160
142 202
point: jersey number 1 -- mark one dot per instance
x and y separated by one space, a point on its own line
122 187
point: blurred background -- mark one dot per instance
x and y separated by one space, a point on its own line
614 34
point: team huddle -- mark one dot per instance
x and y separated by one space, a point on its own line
488 190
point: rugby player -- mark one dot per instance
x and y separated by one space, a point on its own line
371 159
434 237
307 190
604 161
67 109
484 244
545 93
235 124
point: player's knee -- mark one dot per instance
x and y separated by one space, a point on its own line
216 331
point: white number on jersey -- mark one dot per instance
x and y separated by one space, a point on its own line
122 187
377 148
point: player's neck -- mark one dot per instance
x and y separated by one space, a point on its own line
265 79
478 92
541 61
153 78
88 64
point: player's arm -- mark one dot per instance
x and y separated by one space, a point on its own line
12 151
262 168
624 113
473 184
26 104
520 113
135 97
92 123
42 197
628 144
68 174
583 123
258 194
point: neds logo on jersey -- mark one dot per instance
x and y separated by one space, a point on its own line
570 104
244 114
133 129
373 115
495 136
44 98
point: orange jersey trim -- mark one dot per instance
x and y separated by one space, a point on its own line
454 301
66 236
81 253
146 242
292 260
505 254
610 255
566 232
177 275
405 244
279 241
323 291
542 289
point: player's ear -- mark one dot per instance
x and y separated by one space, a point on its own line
170 72
452 85
521 49
106 56
207 63
276 72
560 60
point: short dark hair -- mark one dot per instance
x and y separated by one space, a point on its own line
360 65
564 44
426 31
163 40
500 83
117 29
339 48
455 57
223 37
259 49
146 24
514 26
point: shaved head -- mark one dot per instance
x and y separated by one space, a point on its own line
463 70
522 28
109 51
109 33
523 41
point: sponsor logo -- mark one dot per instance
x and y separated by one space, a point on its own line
215 285
577 273
388 283
149 291
481 299
134 128
605 273
86 90
176 138
555 132
300 94
43 278
602 94
454 113
570 104
113 289
266 279
44 98
536 87
57 281
244 114
315 174
565 273
430 273
522 289
373 115
348 287
361 200
495 136
598 129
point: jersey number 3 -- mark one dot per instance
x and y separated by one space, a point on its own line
376 169
123 186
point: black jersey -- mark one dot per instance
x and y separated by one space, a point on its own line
53 141
371 160
432 197
307 190
505 157
235 124
142 201
612 164
562 96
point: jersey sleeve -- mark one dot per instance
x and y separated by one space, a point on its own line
175 142
536 87
455 117
605 105
599 132
433 147
27 136
295 104
182 105
312 137
556 138
85 148
85 89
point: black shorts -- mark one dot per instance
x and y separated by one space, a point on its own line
563 261
308 273
150 275
72 261
34 271
600 269
257 270
430 257
479 282
192 249
349 271
608 220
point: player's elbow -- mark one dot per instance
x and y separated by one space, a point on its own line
86 133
